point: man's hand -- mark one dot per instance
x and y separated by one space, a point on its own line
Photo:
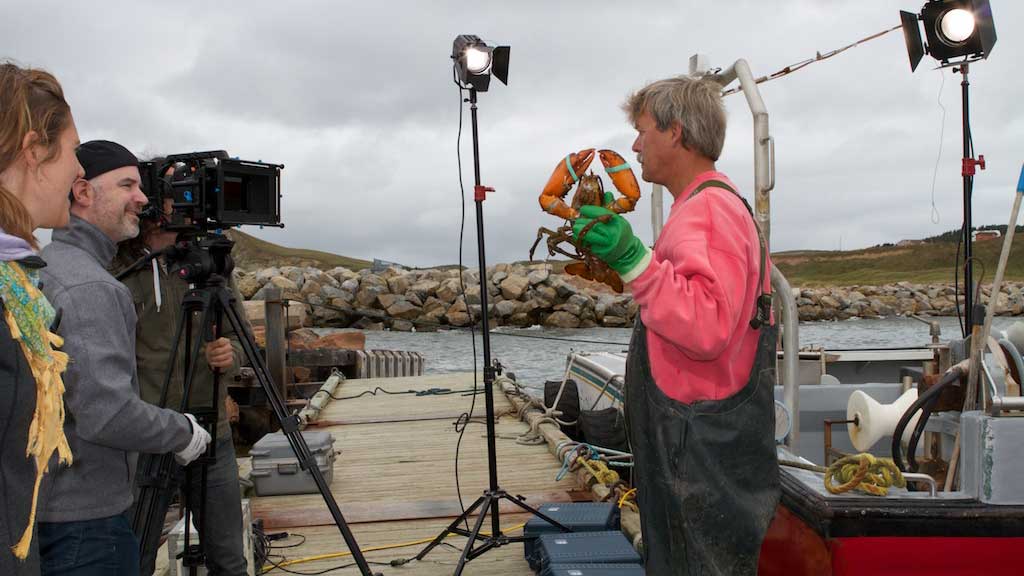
613 242
220 354
196 445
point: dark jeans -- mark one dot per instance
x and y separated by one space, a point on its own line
98 547
223 537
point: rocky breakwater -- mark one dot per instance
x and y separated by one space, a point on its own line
528 295
900 299
518 295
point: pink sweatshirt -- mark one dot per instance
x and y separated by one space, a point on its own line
698 295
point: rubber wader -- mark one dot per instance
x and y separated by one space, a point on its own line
706 472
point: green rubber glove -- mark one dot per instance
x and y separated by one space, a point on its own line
609 199
613 242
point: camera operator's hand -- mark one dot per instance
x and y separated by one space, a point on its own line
196 446
220 354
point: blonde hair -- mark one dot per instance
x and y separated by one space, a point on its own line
695 104
30 101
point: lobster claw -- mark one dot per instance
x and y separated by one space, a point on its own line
567 172
624 180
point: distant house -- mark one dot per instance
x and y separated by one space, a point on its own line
981 235
382 265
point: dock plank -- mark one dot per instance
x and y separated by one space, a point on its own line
394 476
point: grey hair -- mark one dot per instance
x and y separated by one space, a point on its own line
694 103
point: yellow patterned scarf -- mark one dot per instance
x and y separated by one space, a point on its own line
28 316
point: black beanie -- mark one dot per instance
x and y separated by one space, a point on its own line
101 156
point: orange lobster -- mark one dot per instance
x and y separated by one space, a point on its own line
567 173
589 192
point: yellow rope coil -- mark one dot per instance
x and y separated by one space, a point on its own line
600 471
863 472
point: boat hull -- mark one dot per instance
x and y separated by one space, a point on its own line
793 548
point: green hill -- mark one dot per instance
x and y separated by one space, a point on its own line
251 253
929 262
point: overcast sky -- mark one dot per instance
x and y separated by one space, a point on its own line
356 100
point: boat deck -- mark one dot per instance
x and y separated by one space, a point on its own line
394 479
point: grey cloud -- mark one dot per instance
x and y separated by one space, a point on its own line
356 99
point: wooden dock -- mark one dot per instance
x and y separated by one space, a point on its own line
394 478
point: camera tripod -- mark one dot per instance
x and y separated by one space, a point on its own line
206 264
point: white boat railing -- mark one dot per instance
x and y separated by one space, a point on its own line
791 356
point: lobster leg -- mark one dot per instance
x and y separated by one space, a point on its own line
567 172
624 180
540 236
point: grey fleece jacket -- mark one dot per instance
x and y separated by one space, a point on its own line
106 423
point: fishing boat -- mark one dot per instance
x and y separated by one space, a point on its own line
954 409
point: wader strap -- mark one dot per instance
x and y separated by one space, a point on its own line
762 308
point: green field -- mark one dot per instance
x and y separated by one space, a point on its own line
931 262
251 253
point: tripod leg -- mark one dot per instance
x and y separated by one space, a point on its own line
536 512
193 556
485 501
289 426
452 528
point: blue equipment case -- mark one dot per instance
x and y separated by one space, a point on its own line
593 570
610 547
577 516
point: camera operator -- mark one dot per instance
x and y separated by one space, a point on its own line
82 527
158 293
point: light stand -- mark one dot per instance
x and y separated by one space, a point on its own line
956 29
492 497
967 172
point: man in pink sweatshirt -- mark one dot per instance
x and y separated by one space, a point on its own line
701 368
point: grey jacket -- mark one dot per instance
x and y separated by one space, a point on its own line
106 423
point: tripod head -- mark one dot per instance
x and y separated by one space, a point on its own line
202 262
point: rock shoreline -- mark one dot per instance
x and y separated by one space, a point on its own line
528 295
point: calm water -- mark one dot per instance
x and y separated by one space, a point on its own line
535 356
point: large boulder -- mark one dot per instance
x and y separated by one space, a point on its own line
404 309
506 308
458 317
514 286
386 300
285 284
425 288
368 294
561 319
310 288
399 284
449 290
248 286
538 276
521 319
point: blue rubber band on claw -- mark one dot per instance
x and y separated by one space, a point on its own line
572 172
619 168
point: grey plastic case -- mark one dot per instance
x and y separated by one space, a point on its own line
275 469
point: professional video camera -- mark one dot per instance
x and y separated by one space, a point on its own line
210 190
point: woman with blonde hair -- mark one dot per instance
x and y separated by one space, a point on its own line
38 165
